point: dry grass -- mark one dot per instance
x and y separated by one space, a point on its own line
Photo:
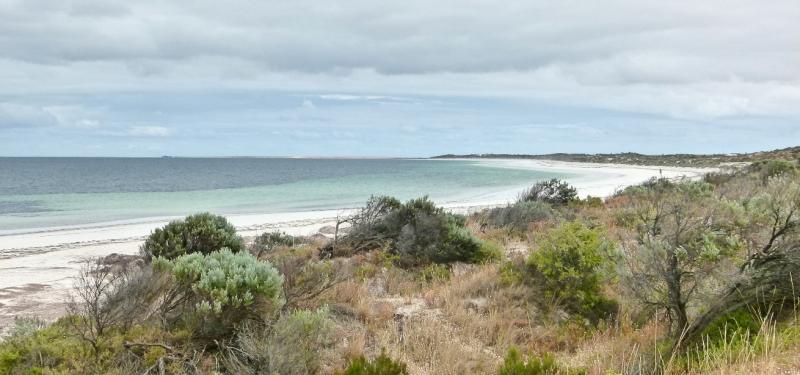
774 349
466 324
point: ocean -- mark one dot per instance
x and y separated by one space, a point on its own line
41 193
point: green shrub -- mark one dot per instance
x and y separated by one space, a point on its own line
199 233
512 271
489 252
515 364
736 325
770 168
570 264
594 202
52 347
554 191
222 289
269 241
417 232
382 365
434 272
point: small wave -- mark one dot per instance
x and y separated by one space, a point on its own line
22 207
27 251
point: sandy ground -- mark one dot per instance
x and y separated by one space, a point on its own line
37 267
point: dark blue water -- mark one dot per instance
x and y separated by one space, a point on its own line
115 175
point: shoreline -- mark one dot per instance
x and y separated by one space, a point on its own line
37 265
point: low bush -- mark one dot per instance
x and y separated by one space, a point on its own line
31 351
518 216
569 266
305 276
593 202
270 241
291 346
434 273
381 365
220 290
199 233
516 364
771 168
417 232
512 271
554 191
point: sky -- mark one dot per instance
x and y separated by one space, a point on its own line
397 78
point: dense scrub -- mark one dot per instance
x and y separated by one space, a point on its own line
553 191
670 276
569 267
416 232
201 233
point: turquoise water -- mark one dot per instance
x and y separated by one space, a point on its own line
51 192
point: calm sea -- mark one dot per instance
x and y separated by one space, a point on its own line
54 192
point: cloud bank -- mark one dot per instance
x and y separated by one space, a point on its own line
97 69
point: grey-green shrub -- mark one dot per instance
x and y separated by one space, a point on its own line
518 216
199 233
297 340
771 168
223 289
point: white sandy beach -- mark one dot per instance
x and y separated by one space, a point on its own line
37 266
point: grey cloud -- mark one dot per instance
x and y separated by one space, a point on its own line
683 60
636 40
149 131
14 115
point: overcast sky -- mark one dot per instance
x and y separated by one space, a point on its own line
397 78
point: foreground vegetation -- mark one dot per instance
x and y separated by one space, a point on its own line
665 277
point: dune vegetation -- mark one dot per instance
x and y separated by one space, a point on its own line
666 277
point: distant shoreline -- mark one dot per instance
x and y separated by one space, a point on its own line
633 158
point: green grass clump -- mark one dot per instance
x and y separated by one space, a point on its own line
516 364
381 365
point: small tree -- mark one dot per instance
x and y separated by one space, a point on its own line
682 240
774 216
202 233
570 264
770 272
92 315
554 191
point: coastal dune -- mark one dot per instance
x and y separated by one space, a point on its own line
37 266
